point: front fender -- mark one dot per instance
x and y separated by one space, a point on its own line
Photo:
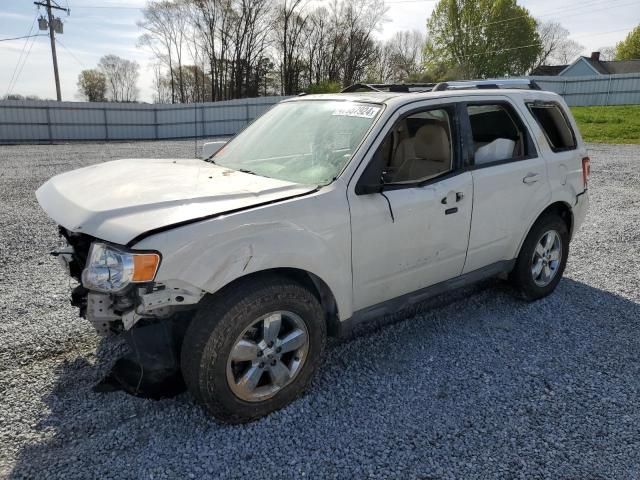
212 254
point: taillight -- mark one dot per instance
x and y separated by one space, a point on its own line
586 170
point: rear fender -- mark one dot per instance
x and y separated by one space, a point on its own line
565 199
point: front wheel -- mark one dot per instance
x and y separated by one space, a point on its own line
254 349
542 259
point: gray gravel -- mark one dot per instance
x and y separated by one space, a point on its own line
480 386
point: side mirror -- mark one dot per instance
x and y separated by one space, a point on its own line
374 176
366 189
211 148
386 176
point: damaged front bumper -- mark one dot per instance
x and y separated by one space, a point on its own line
114 312
151 317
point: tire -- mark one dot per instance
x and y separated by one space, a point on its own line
531 286
240 315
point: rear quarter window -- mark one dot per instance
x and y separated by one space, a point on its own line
555 125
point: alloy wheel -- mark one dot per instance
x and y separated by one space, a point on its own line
267 356
546 258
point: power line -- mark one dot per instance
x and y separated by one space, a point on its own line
411 1
604 33
15 69
118 7
536 44
502 50
70 53
580 8
21 67
563 11
539 44
24 36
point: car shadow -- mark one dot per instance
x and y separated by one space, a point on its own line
476 353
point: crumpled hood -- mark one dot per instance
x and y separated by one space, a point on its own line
120 200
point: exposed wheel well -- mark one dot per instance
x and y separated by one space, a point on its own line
312 282
563 210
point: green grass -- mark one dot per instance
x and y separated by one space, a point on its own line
614 124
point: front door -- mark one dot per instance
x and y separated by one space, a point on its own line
415 232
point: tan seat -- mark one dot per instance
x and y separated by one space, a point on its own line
425 155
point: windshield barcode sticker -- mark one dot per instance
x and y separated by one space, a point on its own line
362 111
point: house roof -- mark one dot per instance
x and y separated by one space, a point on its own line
623 66
548 70
597 65
600 67
611 67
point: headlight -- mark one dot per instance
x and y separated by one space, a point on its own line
110 269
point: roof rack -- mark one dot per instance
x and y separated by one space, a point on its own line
390 87
518 83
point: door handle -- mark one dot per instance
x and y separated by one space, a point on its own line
449 211
459 197
531 178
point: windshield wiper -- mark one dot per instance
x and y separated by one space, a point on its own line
244 170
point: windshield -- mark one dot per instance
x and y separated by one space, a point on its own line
304 141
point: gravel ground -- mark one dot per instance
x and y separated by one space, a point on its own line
480 386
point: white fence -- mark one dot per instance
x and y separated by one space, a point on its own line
622 89
49 121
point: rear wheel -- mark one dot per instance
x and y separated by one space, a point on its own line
254 349
543 258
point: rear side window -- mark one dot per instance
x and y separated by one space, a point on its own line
498 134
555 126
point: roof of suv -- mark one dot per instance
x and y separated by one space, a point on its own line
400 98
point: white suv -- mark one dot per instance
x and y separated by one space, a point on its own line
327 211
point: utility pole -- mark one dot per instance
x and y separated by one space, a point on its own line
54 25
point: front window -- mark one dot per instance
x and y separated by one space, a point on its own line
306 142
418 147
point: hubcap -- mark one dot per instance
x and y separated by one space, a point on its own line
267 356
546 258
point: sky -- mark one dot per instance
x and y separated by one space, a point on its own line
98 27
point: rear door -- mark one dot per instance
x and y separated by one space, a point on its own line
510 181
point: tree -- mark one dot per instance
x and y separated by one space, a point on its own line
121 77
165 23
92 85
399 59
226 49
359 20
607 54
17 96
557 47
484 38
629 48
291 22
405 54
